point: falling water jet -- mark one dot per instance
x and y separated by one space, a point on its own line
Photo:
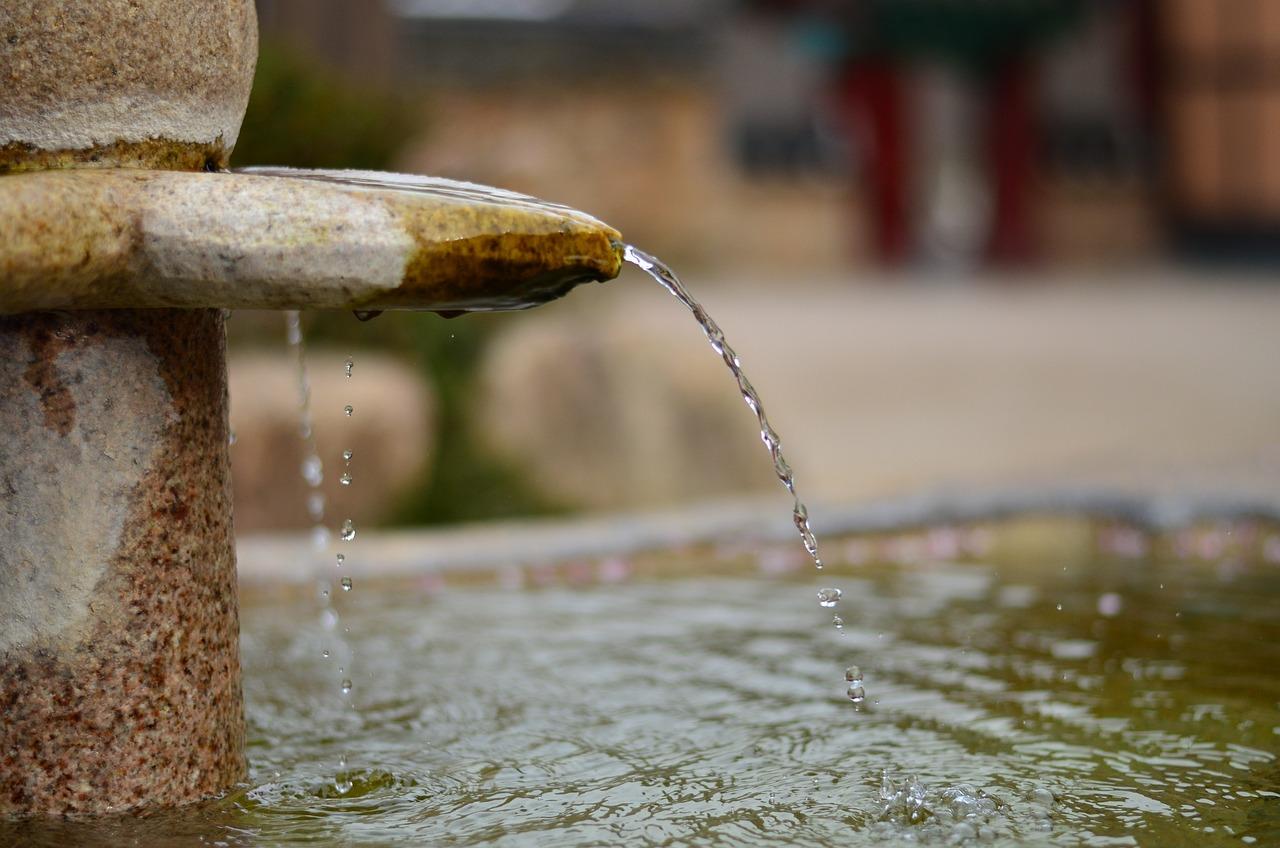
667 278
828 598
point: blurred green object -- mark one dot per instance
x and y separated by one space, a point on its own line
464 482
972 32
303 115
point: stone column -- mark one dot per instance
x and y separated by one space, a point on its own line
119 657
119 651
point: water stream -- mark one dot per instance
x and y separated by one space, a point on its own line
828 596
664 275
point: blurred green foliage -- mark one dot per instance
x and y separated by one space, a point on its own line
465 482
302 115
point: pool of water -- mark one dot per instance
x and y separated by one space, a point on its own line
1103 702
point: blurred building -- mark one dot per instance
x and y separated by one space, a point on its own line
1222 97
812 133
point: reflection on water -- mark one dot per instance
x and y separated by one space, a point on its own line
1120 703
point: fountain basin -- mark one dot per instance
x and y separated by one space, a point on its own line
671 680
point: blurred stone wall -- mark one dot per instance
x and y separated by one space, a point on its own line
390 432
616 413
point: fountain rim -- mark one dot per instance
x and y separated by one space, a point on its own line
269 562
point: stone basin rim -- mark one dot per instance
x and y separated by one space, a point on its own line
268 560
272 238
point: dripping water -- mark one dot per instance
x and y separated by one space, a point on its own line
312 468
828 598
346 534
313 474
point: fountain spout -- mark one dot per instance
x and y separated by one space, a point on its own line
284 239
122 239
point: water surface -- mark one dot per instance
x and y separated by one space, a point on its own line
703 711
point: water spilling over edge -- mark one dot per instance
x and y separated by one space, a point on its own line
828 598
664 275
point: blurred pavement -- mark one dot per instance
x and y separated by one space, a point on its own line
1153 382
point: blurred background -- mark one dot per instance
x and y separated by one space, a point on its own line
956 243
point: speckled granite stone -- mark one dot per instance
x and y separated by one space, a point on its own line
104 83
119 657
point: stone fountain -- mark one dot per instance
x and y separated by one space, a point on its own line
122 240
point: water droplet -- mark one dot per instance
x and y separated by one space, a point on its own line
312 470
231 437
325 653
348 530
346 584
345 479
315 506
346 455
1110 604
346 687
1059 607
350 363
856 693
1040 795
347 410
829 597
342 560
853 674
837 622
